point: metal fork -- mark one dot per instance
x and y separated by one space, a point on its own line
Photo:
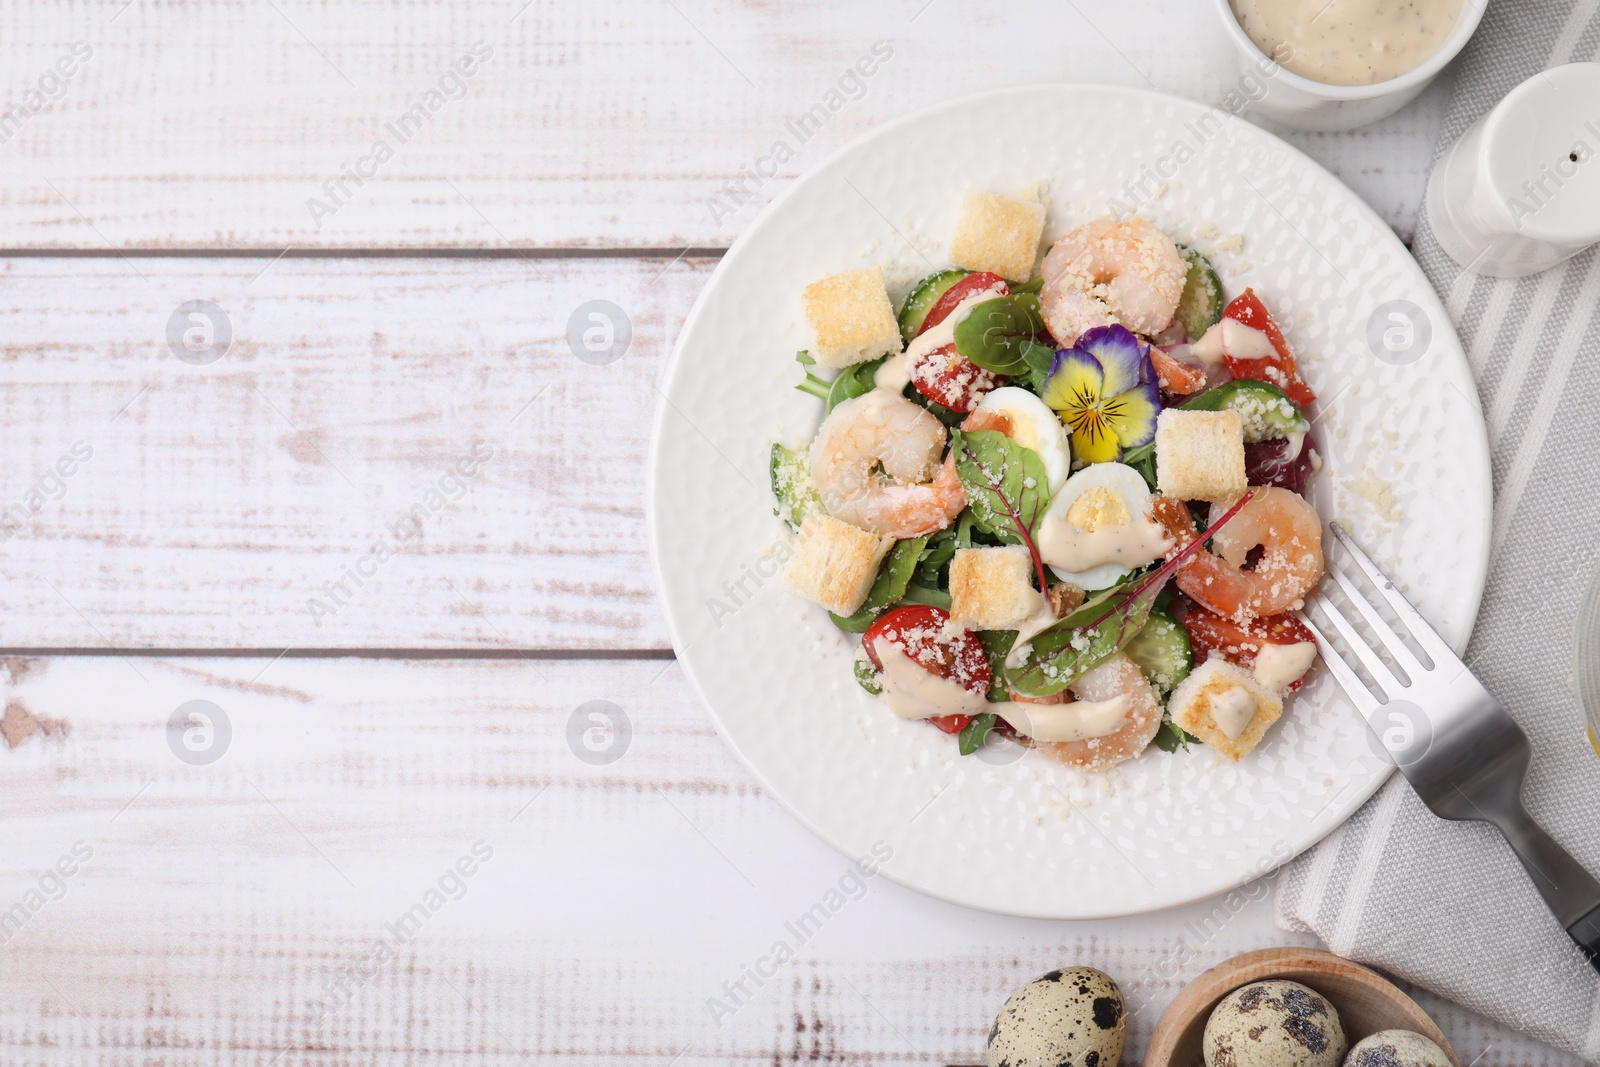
1475 758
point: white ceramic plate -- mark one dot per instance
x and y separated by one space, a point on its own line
1406 469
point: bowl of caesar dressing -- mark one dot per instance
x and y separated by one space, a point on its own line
1338 64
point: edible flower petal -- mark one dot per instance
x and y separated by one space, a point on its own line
1105 389
1126 362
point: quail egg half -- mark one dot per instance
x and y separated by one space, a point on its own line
1275 1023
1068 1018
1396 1048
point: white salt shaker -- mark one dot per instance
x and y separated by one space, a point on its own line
1520 191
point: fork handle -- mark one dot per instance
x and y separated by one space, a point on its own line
1586 932
1572 893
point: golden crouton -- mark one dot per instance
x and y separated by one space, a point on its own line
835 563
1225 707
1200 455
851 317
992 588
998 234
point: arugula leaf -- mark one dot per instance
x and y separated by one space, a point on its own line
817 387
1170 737
999 333
976 732
855 380
890 585
1143 460
1007 486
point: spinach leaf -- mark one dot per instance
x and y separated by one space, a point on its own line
893 577
855 380
1007 487
921 594
999 334
996 643
1170 737
1039 359
976 732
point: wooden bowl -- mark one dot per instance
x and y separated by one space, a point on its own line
1366 1001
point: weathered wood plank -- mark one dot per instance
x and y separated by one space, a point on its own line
305 489
212 907
235 124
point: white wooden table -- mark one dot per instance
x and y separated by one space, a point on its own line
395 718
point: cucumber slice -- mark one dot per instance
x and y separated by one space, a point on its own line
923 296
1267 412
1200 306
791 485
867 676
1162 652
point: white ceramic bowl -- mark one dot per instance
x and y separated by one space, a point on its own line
1312 105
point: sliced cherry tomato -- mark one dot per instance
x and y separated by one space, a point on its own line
1176 376
923 633
947 377
1248 309
951 724
972 283
1238 644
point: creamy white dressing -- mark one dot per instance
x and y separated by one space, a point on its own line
1100 519
1078 720
1232 709
1233 338
895 372
913 692
1027 630
1297 441
1348 42
1278 665
1069 547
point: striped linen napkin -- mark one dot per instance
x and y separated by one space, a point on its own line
1446 905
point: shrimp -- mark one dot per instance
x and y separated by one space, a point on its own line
875 463
1110 271
1118 676
1282 524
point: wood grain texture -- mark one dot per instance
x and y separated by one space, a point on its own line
216 123
220 500
220 904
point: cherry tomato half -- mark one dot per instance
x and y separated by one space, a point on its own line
947 377
972 283
1238 644
923 633
1279 370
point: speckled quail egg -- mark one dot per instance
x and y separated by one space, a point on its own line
1396 1048
1068 1018
1274 1024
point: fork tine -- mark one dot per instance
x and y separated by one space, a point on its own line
1348 679
1426 636
1369 659
1391 640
